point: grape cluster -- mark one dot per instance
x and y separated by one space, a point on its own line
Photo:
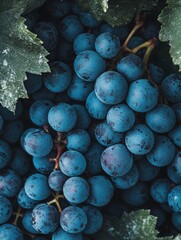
99 135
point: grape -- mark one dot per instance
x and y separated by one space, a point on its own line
36 187
88 20
5 154
70 27
44 164
33 83
72 163
93 156
156 73
76 190
78 140
121 118
62 117
162 153
65 51
37 142
174 169
142 96
176 220
75 7
147 172
10 116
20 161
24 201
9 232
174 199
160 189
59 79
94 220
27 222
56 180
137 195
177 109
160 215
88 65
42 94
170 87
128 180
106 136
10 183
107 45
139 140
116 160
78 89
131 67
95 107
47 32
1 123
12 131
101 191
58 8
73 219
111 87
155 117
45 218
83 118
84 41
175 135
39 112
63 235
5 209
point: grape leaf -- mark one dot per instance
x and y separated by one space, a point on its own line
20 51
170 18
116 12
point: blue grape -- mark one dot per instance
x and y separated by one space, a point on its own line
45 218
170 87
58 8
160 189
24 201
95 107
70 27
10 116
9 232
42 94
5 209
107 45
139 140
10 183
174 199
128 180
33 83
94 220
147 172
162 153
72 163
37 142
83 117
63 235
176 220
111 87
78 140
36 187
160 214
116 160
73 219
76 190
39 112
43 164
78 89
137 195
106 136
21 161
12 131
65 51
84 41
88 20
93 157
27 222
75 7
175 135
62 117
56 180
156 73
131 67
47 32
88 65
59 79
177 109
121 118
1 123
174 169
142 96
5 154
161 119
101 191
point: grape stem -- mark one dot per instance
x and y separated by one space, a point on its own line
46 128
17 214
56 201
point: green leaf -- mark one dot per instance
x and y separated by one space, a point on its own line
116 12
170 18
20 51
